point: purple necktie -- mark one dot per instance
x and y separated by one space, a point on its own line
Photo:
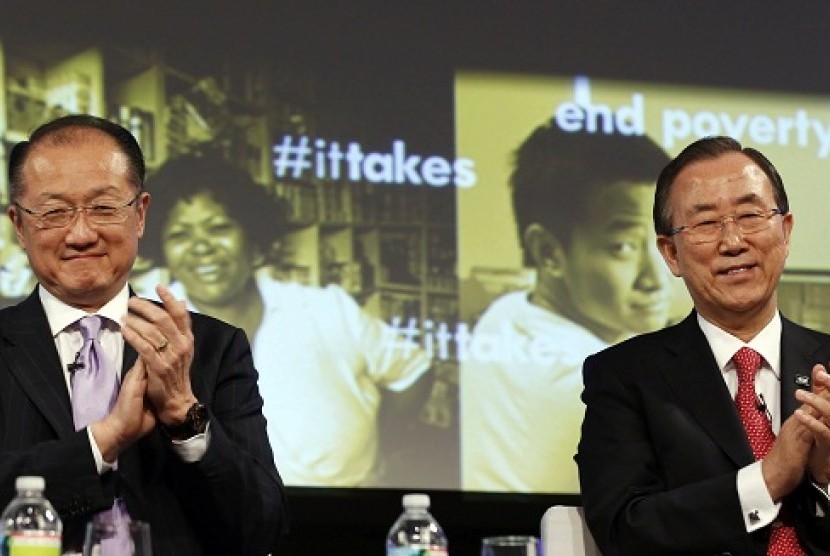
95 381
94 391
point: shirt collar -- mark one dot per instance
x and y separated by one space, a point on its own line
724 345
60 315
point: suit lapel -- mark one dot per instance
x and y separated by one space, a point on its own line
696 380
130 354
798 355
33 359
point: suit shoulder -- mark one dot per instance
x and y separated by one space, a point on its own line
806 340
818 335
202 321
641 344
21 313
8 318
7 313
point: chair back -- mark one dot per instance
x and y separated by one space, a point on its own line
564 533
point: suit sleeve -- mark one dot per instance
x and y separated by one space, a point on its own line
73 484
630 505
30 445
234 493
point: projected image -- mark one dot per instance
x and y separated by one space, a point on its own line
568 265
322 360
421 270
582 204
332 255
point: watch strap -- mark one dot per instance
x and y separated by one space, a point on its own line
195 423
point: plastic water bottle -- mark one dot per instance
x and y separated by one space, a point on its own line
29 525
416 532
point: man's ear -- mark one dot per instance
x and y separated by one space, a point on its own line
14 215
668 249
142 204
546 250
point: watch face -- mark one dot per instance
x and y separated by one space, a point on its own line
195 422
198 417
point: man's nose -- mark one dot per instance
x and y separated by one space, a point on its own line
79 229
731 237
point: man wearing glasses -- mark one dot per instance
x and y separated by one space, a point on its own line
179 440
712 436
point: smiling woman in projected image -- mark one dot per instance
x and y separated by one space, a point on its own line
325 366
582 204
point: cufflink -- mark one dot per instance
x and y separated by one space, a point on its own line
802 381
754 517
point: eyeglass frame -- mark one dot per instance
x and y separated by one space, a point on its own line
38 216
721 223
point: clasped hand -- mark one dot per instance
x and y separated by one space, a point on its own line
814 415
157 388
803 443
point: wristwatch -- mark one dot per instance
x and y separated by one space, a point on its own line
195 422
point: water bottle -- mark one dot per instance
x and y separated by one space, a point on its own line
416 533
29 525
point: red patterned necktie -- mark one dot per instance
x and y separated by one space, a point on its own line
783 540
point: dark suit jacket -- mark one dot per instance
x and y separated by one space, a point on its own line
662 444
230 502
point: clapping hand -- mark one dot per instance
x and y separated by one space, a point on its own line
814 414
164 341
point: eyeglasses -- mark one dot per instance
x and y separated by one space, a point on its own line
60 217
707 231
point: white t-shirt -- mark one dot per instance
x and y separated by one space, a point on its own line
322 363
520 385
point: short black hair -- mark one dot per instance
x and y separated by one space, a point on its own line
260 214
556 175
705 149
64 131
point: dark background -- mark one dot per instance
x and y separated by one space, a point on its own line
412 48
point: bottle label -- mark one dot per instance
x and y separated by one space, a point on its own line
29 544
411 551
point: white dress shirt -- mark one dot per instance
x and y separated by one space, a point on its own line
757 505
68 340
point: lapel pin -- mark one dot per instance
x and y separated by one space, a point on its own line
802 381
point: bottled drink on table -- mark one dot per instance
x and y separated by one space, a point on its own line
416 532
29 525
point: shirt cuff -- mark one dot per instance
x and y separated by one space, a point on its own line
100 464
193 449
825 493
756 504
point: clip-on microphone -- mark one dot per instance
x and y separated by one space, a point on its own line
75 365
